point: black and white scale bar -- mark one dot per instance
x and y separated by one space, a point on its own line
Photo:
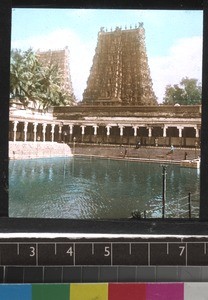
97 253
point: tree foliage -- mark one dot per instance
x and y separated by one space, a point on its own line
32 81
187 92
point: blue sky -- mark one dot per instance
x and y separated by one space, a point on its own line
173 39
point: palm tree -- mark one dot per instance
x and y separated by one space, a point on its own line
32 81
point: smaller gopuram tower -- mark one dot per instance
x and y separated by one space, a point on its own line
120 73
61 59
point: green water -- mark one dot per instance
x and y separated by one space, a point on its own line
90 188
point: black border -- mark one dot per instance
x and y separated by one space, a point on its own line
130 4
153 226
204 137
5 36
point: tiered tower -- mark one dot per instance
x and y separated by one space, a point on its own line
120 73
61 59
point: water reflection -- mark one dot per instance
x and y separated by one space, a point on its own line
97 188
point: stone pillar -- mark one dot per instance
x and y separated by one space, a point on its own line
149 131
197 131
35 131
165 127
52 132
121 127
149 135
25 131
108 130
95 139
60 131
108 127
135 130
197 142
70 132
164 131
83 131
180 128
44 131
15 130
95 129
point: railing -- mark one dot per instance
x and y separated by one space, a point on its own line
173 209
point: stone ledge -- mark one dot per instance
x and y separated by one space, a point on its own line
30 150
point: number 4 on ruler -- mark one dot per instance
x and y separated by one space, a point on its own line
70 251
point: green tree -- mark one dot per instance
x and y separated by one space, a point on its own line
32 81
187 92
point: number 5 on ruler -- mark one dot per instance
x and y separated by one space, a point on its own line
107 251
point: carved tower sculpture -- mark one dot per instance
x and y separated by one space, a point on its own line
120 73
61 59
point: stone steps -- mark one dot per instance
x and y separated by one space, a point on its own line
153 153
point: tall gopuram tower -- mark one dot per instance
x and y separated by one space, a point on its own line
120 73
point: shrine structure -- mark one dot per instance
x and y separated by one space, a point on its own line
59 58
120 73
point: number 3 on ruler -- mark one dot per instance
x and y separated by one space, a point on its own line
182 248
32 251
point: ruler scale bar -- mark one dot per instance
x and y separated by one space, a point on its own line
186 253
36 246
74 259
104 253
148 254
111 254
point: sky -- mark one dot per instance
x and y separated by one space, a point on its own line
173 39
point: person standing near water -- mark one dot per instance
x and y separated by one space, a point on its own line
125 153
171 150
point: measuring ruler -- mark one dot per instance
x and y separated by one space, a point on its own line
104 252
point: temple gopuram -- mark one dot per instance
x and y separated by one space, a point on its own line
119 105
120 73
60 58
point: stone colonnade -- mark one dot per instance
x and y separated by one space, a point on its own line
35 133
104 133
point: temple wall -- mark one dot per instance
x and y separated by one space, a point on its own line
28 150
79 112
